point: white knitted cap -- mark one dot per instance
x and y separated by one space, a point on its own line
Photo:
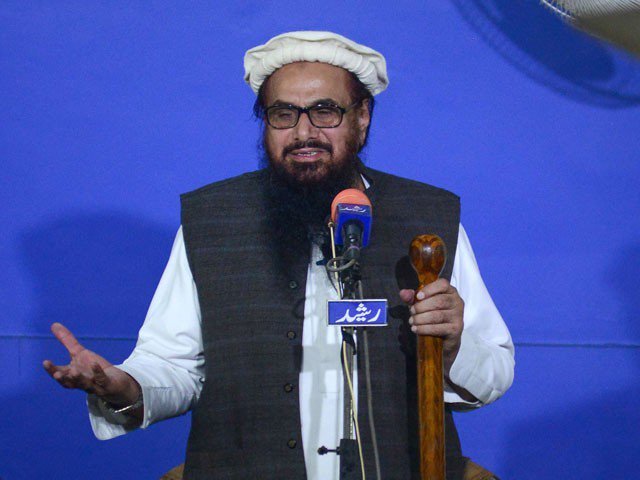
309 46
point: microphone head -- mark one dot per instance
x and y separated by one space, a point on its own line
351 207
352 196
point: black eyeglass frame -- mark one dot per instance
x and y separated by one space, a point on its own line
306 110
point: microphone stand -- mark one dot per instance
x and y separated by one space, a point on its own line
349 287
349 464
349 453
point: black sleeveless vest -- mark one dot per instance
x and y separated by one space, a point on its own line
247 421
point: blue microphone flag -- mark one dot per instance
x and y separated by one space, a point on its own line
351 212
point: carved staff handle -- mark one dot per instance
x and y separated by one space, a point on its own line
428 255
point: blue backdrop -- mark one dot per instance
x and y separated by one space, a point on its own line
109 110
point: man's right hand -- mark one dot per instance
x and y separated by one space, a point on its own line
90 372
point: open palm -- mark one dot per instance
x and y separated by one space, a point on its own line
89 371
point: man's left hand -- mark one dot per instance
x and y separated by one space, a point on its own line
437 310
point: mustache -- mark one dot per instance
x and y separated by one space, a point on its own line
308 144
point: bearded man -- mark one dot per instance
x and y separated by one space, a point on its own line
237 329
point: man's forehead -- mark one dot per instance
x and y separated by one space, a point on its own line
312 81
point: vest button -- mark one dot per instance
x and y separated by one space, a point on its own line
293 284
288 387
291 334
292 443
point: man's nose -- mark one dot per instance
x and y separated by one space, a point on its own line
304 128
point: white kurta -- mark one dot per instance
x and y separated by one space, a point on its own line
168 359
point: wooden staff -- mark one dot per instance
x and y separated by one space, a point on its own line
428 254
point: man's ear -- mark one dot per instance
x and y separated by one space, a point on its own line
364 118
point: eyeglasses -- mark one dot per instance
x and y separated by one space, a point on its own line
324 115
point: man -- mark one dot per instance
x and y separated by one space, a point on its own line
237 328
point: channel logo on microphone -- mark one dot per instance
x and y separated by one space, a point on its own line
351 208
348 212
357 313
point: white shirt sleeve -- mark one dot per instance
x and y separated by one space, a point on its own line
168 360
485 363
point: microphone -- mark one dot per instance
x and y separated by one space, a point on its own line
351 213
